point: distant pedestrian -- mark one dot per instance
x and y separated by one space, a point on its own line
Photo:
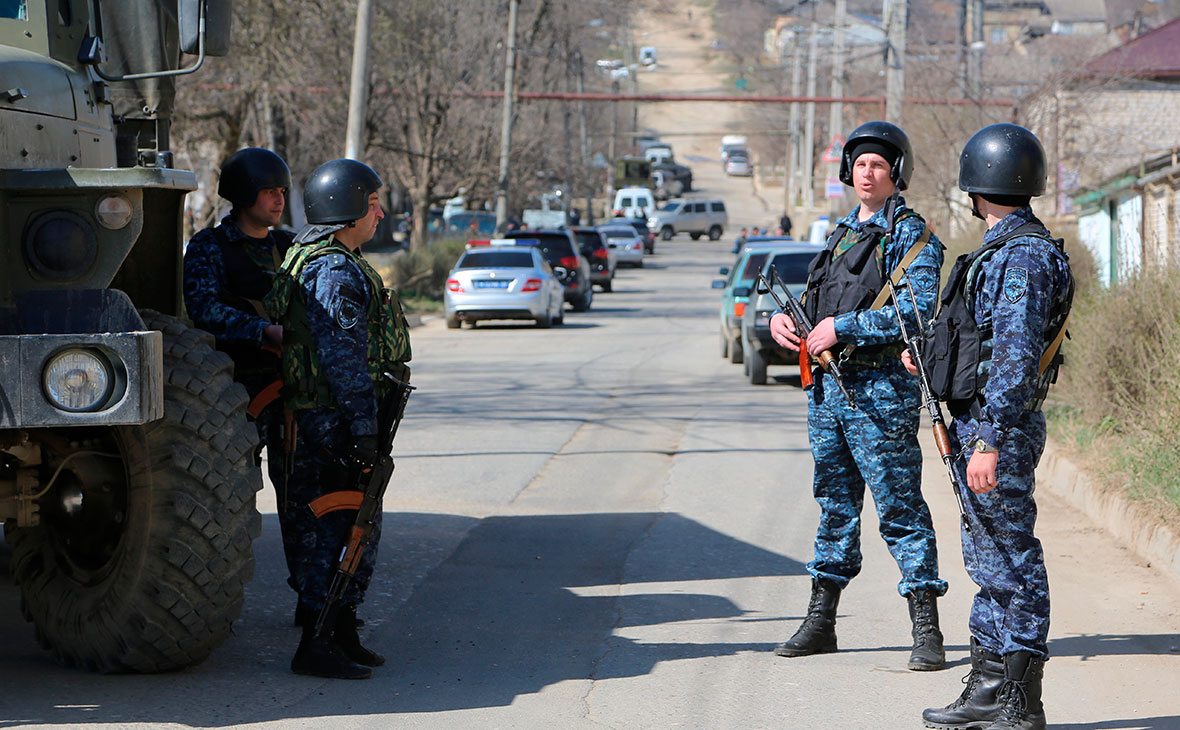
1007 304
784 222
755 231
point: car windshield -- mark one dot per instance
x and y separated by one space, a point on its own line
555 247
671 207
792 267
753 266
496 260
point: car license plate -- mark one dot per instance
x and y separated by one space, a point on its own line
491 284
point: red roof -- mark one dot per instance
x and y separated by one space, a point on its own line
1156 53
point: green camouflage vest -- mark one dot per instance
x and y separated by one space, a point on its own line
304 383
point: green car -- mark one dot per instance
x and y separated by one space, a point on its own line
736 288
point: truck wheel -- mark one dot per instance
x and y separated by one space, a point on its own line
756 366
666 233
714 233
144 547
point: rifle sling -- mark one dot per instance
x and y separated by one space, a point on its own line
1050 353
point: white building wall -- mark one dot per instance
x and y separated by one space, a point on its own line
1094 233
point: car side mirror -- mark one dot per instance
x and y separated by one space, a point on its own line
724 270
741 291
719 283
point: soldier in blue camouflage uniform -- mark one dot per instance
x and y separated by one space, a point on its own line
228 270
1006 304
875 443
342 331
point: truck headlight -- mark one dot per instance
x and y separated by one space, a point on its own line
78 380
113 211
61 245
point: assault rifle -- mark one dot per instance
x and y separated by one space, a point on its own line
368 476
803 326
941 437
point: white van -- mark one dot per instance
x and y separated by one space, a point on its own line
634 202
658 153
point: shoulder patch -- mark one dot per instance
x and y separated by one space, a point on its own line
1015 284
334 260
348 313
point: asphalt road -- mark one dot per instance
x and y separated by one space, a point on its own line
603 525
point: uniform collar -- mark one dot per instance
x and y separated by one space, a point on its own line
233 234
877 219
1011 222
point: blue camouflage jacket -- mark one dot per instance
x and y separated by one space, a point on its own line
205 280
1018 286
337 295
879 327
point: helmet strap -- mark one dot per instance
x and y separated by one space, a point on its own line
975 206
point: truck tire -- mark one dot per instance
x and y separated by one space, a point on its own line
151 577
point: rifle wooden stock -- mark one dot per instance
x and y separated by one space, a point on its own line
806 379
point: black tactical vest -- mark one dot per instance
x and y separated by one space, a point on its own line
838 283
249 273
958 351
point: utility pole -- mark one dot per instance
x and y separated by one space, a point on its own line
791 185
358 89
587 175
896 22
506 121
808 151
836 109
975 66
964 46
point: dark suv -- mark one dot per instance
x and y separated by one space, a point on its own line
594 248
570 266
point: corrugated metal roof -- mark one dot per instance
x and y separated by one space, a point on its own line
1151 54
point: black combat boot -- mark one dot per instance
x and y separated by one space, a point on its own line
349 641
817 634
322 658
306 616
927 654
1020 696
979 703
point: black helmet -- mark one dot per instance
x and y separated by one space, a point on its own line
1003 159
338 191
882 134
249 170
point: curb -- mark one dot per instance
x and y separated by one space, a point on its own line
1128 521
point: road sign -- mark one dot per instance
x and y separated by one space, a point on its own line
834 150
834 189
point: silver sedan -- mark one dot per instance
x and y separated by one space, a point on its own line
503 282
625 241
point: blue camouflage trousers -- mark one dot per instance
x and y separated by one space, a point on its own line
313 545
875 444
1002 555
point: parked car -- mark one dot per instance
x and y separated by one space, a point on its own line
658 153
640 226
502 282
625 241
738 165
735 293
678 172
694 217
602 257
569 265
635 201
758 348
484 223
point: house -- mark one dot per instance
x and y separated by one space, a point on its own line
1131 220
1121 109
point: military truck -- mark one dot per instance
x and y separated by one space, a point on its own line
127 482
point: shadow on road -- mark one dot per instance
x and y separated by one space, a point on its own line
470 613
